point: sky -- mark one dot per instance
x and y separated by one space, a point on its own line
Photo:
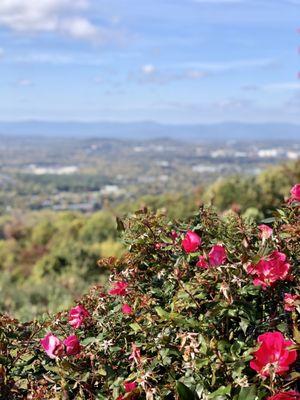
170 61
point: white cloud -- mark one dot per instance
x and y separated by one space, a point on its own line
148 69
60 16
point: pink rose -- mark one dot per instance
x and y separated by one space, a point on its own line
126 309
130 386
290 301
77 316
269 270
72 345
202 263
119 289
273 354
52 346
265 232
191 242
291 395
295 193
217 256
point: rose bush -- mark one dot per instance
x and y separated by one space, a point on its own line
204 309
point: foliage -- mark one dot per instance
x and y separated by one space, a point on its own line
61 248
189 332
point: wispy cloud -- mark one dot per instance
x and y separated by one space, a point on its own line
293 86
54 58
223 66
150 74
282 86
65 17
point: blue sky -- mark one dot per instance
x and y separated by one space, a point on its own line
178 61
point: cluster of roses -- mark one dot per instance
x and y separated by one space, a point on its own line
273 356
56 348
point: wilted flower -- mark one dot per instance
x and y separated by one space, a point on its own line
265 232
135 353
77 316
269 270
217 256
52 346
289 301
119 289
273 355
72 345
291 395
191 242
295 193
126 309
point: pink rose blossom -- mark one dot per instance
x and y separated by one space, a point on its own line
269 270
191 242
119 289
273 354
130 386
265 232
217 256
126 309
52 346
72 345
289 301
202 263
295 193
291 395
77 316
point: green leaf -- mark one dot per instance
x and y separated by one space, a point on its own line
185 393
135 327
247 393
221 393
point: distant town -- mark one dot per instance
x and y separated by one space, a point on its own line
84 174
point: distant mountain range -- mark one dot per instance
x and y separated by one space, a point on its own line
152 130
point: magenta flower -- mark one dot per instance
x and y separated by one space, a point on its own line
126 309
119 289
130 386
52 346
295 193
191 242
217 256
273 354
291 395
72 345
269 270
77 316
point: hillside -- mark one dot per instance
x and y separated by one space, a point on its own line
203 309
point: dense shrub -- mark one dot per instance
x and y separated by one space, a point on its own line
206 309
